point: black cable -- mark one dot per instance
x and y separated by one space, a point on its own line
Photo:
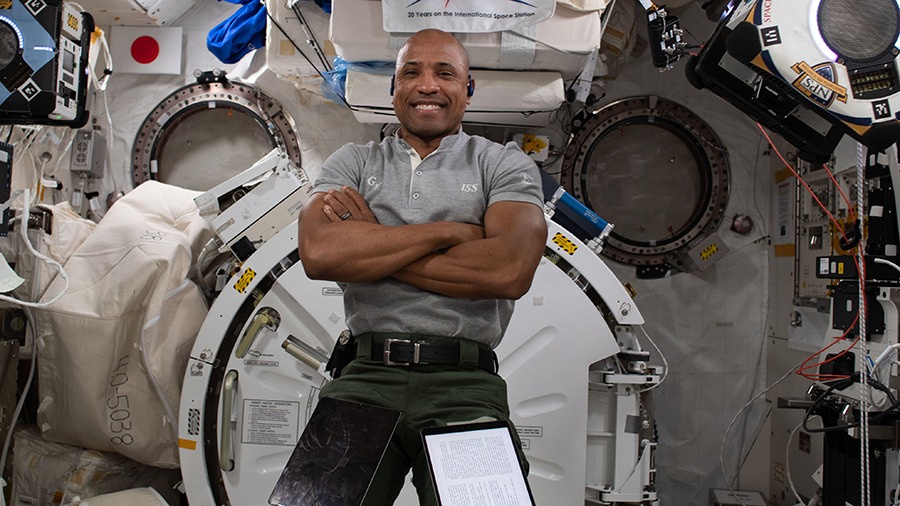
577 78
841 385
815 406
312 38
311 64
881 387
288 37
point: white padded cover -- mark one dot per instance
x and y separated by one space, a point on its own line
586 5
134 497
113 350
42 470
357 36
618 40
508 98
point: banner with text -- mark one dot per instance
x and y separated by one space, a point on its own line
464 16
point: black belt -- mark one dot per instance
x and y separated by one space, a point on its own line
404 353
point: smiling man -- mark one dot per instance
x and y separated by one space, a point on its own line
432 234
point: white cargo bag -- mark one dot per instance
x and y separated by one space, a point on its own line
67 231
112 351
44 472
134 497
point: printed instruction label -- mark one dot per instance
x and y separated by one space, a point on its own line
530 431
261 363
332 291
269 422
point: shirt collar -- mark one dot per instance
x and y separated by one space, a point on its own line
447 142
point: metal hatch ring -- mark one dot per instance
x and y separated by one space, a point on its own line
674 122
156 129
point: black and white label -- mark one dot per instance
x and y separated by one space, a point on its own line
268 422
881 109
35 6
770 36
29 90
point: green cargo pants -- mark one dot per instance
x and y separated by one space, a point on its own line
427 396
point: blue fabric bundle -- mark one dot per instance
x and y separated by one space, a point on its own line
241 33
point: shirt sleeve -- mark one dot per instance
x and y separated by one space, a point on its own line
342 168
515 178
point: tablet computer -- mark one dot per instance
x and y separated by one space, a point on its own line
337 454
476 463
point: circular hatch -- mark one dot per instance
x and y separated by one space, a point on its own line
205 133
653 169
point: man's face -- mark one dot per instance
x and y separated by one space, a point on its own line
430 94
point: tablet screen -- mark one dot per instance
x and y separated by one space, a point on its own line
476 464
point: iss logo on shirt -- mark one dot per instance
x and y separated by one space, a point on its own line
470 188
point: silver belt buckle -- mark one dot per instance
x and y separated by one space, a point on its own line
387 352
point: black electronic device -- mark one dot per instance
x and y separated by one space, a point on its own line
790 65
337 454
666 44
665 35
44 47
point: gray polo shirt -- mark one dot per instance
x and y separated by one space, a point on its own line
457 182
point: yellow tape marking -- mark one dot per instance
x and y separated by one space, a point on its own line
187 444
784 250
564 243
244 280
708 252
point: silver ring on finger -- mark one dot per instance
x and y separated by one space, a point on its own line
345 215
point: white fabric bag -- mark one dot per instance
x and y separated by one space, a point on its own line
67 231
134 497
45 473
587 5
112 351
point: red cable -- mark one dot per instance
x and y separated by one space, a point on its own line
825 377
859 271
849 206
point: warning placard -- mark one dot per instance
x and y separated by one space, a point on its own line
268 422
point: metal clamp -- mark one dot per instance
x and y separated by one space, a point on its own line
387 352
